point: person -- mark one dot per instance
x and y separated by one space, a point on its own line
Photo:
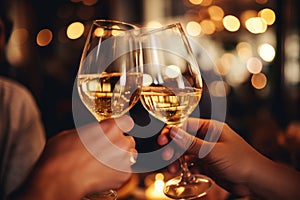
61 168
22 135
232 162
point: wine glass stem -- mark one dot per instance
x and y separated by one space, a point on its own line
186 175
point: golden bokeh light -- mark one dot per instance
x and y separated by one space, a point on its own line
245 15
231 23
254 65
193 28
195 2
116 30
224 64
221 69
256 25
75 30
208 27
172 71
219 88
206 2
147 79
218 25
238 74
244 50
259 81
44 37
99 32
216 13
268 15
266 52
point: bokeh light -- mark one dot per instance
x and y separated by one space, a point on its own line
256 25
206 2
219 88
195 2
193 28
244 50
268 15
216 13
99 32
208 27
75 30
254 65
224 64
44 37
247 14
231 23
266 52
259 81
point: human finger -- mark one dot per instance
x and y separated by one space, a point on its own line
168 153
133 154
186 141
123 124
163 138
206 129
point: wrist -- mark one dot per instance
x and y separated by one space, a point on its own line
271 180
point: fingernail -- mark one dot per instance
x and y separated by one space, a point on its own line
176 134
125 123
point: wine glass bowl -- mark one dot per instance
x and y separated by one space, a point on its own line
109 76
172 89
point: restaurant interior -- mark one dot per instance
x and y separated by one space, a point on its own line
251 68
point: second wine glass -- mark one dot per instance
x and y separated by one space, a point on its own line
172 89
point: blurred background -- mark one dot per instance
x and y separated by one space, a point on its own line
254 45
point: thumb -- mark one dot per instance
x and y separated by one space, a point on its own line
124 123
186 141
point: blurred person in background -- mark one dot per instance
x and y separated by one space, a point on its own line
22 136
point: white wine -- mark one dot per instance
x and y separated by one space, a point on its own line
170 105
109 95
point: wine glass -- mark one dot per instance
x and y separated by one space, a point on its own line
109 78
172 88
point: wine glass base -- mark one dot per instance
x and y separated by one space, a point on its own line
198 187
106 195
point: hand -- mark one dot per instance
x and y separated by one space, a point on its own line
232 162
67 170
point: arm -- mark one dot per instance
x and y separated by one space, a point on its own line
234 164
